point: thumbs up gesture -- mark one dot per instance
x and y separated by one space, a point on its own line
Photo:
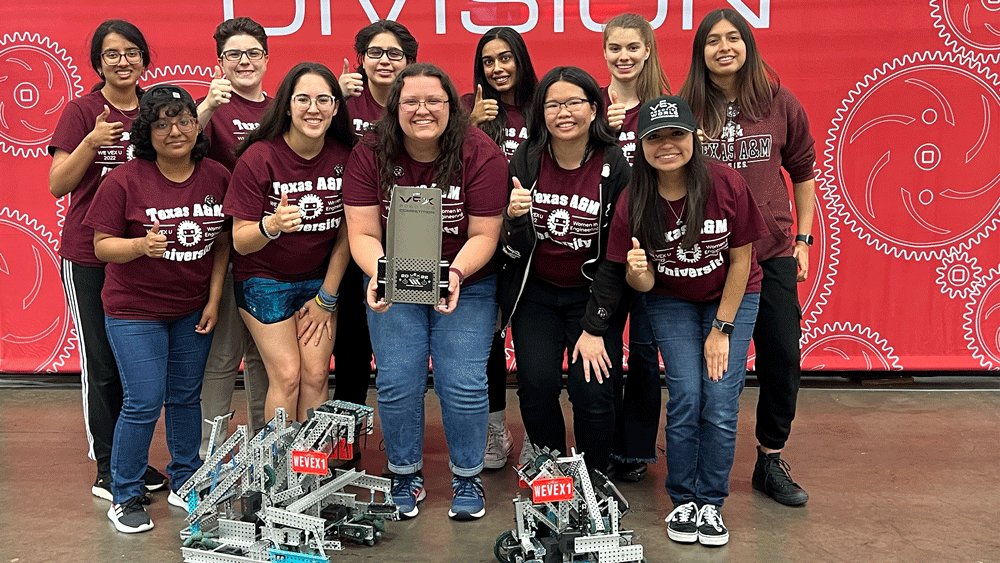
351 83
154 244
286 216
485 109
616 111
105 133
520 200
221 89
636 259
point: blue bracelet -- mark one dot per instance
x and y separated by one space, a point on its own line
326 297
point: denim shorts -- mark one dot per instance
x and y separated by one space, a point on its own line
271 301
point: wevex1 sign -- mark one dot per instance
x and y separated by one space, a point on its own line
309 462
552 490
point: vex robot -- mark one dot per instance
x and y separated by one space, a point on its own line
273 497
573 515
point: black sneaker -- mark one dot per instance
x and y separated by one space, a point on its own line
130 517
153 479
771 476
682 523
711 530
631 472
102 490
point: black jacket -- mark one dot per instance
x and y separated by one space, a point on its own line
518 240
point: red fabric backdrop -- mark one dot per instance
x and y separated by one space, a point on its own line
902 97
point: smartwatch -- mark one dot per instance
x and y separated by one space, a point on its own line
726 328
808 239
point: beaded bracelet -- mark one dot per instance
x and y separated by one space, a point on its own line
263 229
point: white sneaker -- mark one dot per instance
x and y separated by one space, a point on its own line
528 452
176 500
499 442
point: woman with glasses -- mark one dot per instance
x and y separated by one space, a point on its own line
737 99
289 235
701 289
383 49
636 77
422 140
158 222
505 85
234 106
564 181
90 140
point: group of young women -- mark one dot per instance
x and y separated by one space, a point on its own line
567 208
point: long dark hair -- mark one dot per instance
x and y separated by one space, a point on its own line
600 133
756 82
131 34
647 220
652 81
154 101
524 87
388 143
407 42
277 120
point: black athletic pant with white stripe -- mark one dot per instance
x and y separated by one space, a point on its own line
101 384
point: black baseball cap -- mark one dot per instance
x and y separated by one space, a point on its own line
665 111
162 93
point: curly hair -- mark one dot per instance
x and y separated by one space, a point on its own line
388 142
172 101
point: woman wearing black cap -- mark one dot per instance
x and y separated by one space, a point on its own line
158 223
701 291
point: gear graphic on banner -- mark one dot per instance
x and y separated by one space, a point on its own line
40 336
847 346
37 80
911 164
982 322
970 27
959 275
195 79
823 260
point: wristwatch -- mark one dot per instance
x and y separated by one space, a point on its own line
808 239
726 328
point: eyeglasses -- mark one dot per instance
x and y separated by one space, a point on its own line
302 101
573 105
162 128
433 104
377 52
132 56
234 55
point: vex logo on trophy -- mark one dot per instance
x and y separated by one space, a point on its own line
412 270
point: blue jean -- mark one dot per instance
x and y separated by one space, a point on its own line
701 413
403 338
162 364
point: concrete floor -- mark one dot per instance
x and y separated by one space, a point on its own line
907 475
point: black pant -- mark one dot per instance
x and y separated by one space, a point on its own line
776 341
638 397
102 385
496 373
547 324
352 350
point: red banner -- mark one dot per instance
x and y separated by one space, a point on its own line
902 98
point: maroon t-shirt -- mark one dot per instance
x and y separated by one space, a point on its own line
626 135
566 214
515 130
262 172
76 122
758 150
230 124
699 273
190 215
364 111
482 191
